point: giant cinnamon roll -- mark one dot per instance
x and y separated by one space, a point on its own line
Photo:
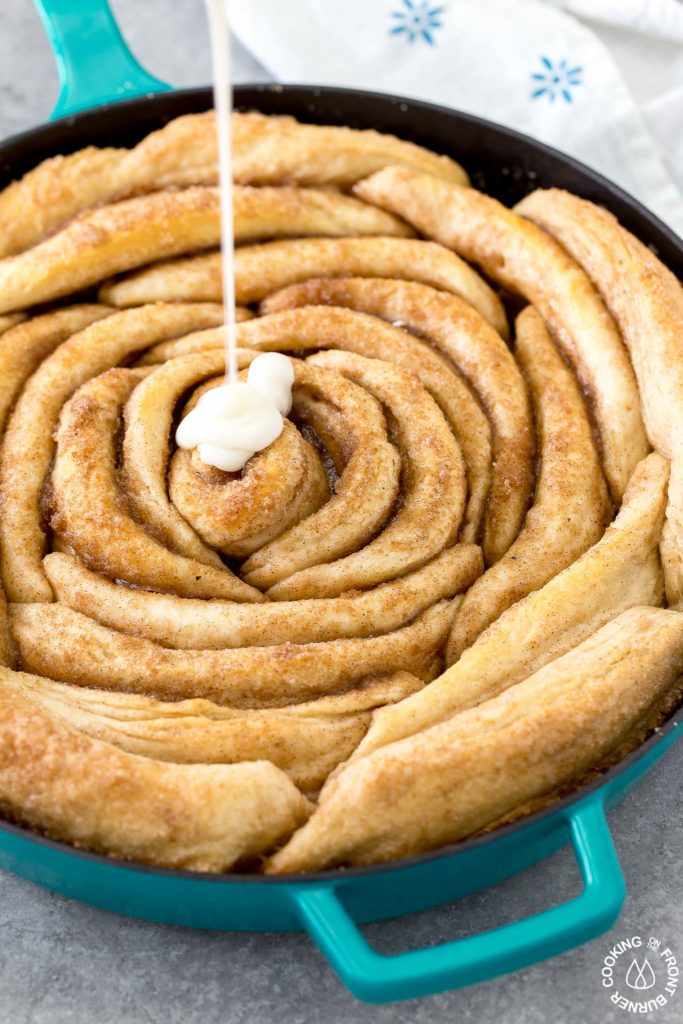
446 567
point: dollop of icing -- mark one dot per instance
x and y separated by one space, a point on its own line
232 422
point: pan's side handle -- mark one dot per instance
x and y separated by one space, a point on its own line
379 979
95 65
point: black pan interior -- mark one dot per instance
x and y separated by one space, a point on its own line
500 161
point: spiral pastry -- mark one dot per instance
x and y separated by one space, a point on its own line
432 604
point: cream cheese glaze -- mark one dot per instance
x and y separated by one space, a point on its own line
232 422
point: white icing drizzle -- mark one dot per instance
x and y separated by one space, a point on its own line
232 422
219 34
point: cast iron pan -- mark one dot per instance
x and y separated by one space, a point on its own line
507 165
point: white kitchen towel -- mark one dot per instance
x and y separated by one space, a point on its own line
661 18
523 63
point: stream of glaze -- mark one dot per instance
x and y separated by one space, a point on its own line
219 31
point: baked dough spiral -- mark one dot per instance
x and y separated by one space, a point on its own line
445 569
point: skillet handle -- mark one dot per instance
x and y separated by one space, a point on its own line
95 65
377 978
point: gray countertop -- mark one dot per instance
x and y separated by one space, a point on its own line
65 963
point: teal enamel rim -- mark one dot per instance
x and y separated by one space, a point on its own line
377 978
95 65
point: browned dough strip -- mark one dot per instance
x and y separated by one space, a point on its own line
28 445
455 329
112 239
266 268
307 741
7 652
590 706
71 787
25 346
525 259
190 623
571 506
10 320
145 451
267 151
350 420
90 512
61 644
620 571
646 300
315 327
278 488
433 492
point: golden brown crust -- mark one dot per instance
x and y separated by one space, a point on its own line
457 331
26 345
199 633
71 787
10 320
620 571
571 506
646 301
7 650
525 259
147 438
454 779
278 488
54 192
349 419
91 515
313 327
267 151
198 509
432 482
275 149
28 445
61 644
190 623
116 238
306 741
263 269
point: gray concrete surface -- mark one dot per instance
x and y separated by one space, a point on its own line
63 963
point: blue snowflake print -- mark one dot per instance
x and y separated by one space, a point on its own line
417 20
556 80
